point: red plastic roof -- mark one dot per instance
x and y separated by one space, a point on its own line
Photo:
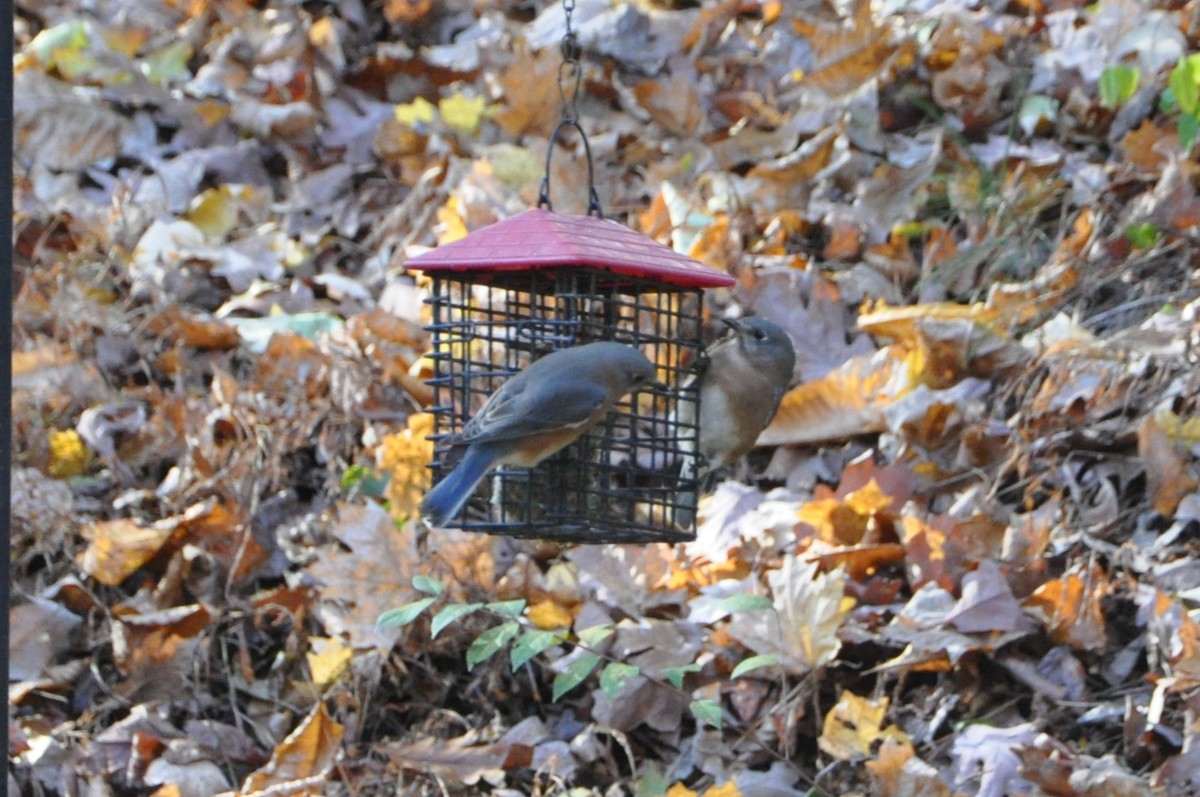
539 238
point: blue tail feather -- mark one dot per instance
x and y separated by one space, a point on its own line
446 499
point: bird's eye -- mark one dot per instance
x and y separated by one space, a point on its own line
760 335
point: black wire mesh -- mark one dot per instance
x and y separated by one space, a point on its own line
621 481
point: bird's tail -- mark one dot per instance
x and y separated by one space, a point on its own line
447 498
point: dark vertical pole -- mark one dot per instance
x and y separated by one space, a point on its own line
6 297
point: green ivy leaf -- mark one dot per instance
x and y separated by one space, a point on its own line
675 674
448 614
430 586
614 677
403 615
595 634
531 643
573 676
753 663
1184 83
1188 126
1118 85
1141 236
745 602
707 712
511 609
490 641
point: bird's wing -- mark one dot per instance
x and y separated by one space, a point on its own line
522 411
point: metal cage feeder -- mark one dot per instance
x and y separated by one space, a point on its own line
519 289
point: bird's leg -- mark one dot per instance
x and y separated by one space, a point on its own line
497 496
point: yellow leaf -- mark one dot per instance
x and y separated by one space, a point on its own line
726 789
405 456
419 111
854 724
126 41
868 499
463 113
900 323
68 455
451 225
117 548
214 212
549 615
211 112
328 660
679 790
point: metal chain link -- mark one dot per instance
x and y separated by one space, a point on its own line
570 73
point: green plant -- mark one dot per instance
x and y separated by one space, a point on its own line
526 641
1183 93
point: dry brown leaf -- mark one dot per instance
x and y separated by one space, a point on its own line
1070 609
1149 146
530 88
897 772
155 651
370 575
461 761
117 548
177 324
847 56
673 102
302 762
803 163
1169 473
848 402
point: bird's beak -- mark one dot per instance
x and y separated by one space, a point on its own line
736 326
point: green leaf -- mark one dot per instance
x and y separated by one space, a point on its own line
1037 111
614 677
745 602
365 480
707 711
1118 85
430 586
1184 83
1141 236
576 671
448 614
403 615
168 65
652 783
69 37
1188 126
595 634
531 643
753 663
508 608
676 674
490 641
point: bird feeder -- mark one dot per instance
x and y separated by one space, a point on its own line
517 290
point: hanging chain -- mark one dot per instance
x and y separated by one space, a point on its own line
570 73
569 68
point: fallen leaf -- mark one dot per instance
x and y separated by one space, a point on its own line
302 762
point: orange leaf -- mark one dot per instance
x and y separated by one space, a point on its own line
307 754
1070 609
